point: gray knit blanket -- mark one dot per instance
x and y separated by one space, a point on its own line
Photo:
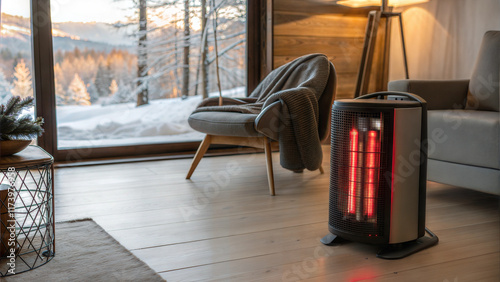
298 85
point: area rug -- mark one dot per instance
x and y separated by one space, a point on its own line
85 252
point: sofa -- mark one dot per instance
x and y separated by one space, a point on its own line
464 122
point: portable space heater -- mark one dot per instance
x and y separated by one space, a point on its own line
378 173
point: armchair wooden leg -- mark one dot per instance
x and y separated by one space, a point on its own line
269 164
321 170
199 154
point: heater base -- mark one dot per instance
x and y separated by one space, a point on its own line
397 251
331 239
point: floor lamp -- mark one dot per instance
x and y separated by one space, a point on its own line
371 36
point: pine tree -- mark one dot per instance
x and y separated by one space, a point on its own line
5 54
61 95
102 80
113 87
68 69
22 82
61 98
58 56
77 92
122 93
92 90
5 89
88 72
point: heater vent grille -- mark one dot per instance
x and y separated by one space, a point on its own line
360 159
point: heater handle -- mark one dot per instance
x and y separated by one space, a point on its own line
378 95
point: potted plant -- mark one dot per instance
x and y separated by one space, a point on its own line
16 131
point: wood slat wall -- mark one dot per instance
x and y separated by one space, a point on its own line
304 27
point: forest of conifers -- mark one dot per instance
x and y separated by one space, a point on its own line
169 56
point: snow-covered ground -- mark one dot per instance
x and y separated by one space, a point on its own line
161 121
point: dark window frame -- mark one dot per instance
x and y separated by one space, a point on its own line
44 89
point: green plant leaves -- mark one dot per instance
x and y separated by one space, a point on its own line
13 127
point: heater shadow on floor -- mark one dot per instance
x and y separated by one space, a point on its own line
378 173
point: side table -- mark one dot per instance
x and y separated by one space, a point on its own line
27 229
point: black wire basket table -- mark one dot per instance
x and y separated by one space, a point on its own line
27 230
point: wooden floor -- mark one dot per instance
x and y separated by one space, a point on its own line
223 226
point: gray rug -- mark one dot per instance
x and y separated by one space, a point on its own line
85 252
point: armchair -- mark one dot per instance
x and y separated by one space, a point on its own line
464 122
289 109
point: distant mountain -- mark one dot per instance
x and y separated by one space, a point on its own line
97 32
66 36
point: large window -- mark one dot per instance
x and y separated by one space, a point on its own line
130 72
120 77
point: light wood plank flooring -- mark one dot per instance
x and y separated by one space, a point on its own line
222 225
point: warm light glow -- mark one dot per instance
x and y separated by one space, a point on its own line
365 3
107 11
371 167
353 149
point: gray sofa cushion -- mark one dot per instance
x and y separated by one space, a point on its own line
465 136
484 87
472 177
224 123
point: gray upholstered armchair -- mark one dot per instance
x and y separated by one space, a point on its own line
289 109
464 122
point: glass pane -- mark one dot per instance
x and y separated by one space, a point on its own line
15 51
131 71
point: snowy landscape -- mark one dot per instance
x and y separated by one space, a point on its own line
161 121
115 86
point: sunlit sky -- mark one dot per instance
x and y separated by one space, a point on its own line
108 11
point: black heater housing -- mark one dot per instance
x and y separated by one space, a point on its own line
378 173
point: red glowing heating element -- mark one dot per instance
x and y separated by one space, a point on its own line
373 151
351 204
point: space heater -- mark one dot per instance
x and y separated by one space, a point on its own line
378 173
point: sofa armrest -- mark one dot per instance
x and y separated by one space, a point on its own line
439 94
268 122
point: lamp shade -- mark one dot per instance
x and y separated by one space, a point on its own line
364 3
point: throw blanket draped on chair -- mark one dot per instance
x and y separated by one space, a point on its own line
298 85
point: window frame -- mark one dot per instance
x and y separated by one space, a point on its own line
44 88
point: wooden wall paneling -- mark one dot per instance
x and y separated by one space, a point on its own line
316 7
347 65
345 54
383 78
335 25
346 83
365 66
379 73
304 27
